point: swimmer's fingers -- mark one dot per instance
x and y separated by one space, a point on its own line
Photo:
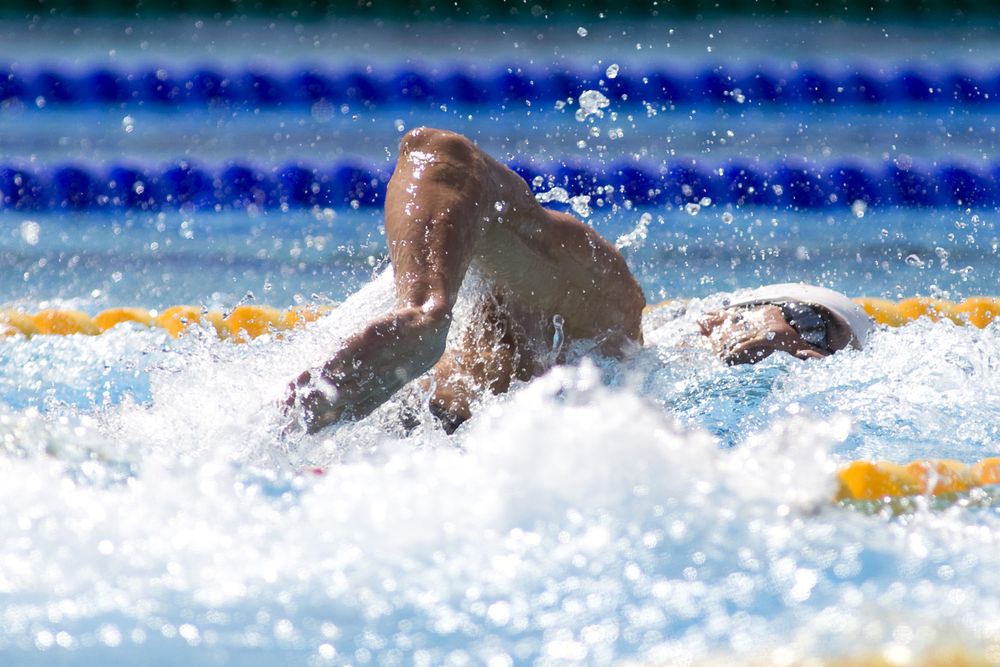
725 329
810 353
739 336
292 392
293 423
310 403
319 411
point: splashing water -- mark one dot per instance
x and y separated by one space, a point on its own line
557 337
587 516
666 509
579 203
635 238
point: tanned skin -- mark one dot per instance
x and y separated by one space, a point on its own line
450 206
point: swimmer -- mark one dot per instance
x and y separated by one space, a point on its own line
554 281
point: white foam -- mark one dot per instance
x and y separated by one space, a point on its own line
584 517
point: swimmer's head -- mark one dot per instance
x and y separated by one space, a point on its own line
852 322
805 321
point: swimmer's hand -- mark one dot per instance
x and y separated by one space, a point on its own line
749 335
315 401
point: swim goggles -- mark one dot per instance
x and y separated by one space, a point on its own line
807 322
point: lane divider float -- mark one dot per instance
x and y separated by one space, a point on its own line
250 321
977 311
792 183
241 324
165 86
882 480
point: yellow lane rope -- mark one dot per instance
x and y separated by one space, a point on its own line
242 324
977 311
880 480
246 322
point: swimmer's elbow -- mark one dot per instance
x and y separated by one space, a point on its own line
448 145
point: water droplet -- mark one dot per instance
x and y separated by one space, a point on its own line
30 231
692 209
581 31
635 238
581 205
727 218
612 71
499 613
110 635
556 194
914 260
591 102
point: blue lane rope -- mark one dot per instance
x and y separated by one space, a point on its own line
789 184
259 88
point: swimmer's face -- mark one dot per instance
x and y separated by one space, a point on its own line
746 335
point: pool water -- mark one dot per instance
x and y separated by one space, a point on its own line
662 508
667 509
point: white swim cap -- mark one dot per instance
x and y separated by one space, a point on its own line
850 313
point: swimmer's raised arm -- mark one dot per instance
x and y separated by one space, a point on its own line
449 204
435 205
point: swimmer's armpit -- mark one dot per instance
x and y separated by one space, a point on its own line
746 335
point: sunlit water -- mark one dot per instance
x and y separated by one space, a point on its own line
667 508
